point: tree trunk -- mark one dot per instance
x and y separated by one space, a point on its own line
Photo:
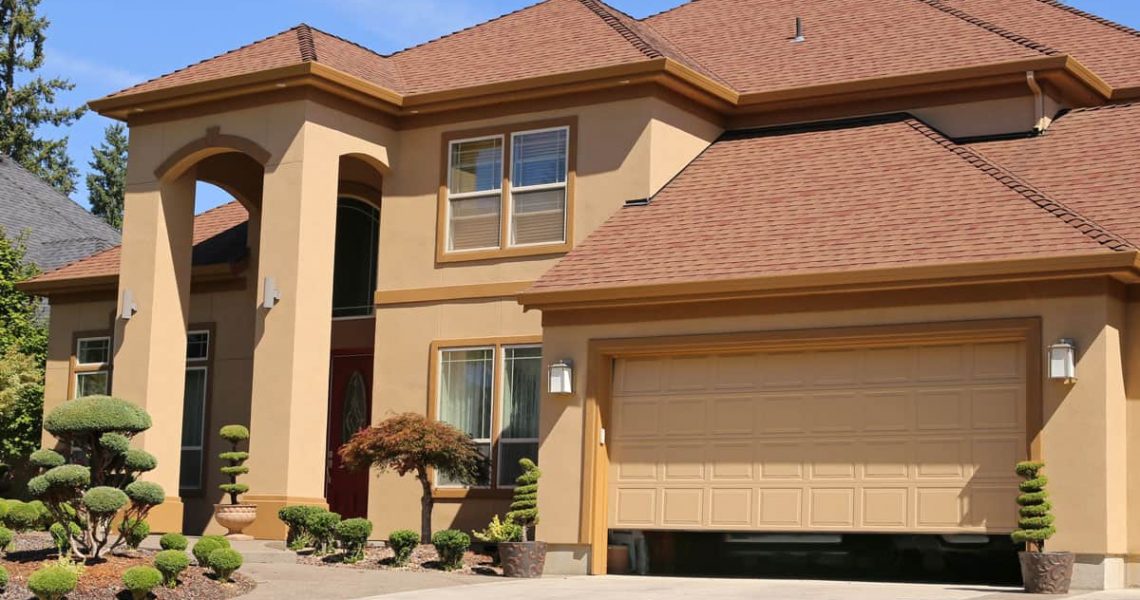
427 503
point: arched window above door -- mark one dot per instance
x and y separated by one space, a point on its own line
357 249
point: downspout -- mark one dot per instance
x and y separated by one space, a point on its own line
1040 121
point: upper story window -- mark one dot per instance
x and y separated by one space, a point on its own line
507 193
357 249
92 366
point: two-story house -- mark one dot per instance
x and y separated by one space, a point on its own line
799 264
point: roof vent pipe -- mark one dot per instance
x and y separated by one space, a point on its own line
799 31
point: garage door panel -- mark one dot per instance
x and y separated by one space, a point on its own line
917 437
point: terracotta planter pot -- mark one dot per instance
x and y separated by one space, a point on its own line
235 518
1046 572
617 559
522 559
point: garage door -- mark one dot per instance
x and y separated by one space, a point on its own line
908 438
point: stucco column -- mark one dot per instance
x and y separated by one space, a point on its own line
150 354
291 348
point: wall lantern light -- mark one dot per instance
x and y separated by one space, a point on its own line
271 295
562 377
129 306
1062 360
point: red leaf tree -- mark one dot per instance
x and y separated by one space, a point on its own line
411 443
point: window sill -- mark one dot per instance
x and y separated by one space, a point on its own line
470 493
444 256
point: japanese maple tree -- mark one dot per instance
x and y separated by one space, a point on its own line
411 443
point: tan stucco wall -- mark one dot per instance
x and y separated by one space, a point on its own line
68 319
1083 437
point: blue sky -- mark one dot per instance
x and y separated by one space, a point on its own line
106 45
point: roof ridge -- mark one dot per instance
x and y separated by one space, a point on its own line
305 43
205 60
615 23
672 46
1090 16
992 28
668 10
1086 226
468 28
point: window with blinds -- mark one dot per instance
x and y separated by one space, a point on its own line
534 201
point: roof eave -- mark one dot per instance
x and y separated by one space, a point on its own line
229 271
1122 265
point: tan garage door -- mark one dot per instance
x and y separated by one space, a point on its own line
909 438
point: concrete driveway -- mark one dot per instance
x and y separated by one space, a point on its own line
662 588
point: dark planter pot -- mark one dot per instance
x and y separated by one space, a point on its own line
617 560
522 559
1046 572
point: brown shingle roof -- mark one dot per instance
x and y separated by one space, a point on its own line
1088 159
219 237
1109 49
836 197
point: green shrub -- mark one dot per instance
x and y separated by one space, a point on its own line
403 542
104 500
173 541
139 461
171 563
38 486
3 509
61 536
524 505
450 544
234 434
1035 524
500 531
207 544
3 578
115 443
68 476
134 532
6 539
223 562
140 580
295 517
52 582
352 535
96 414
24 516
146 493
321 527
46 459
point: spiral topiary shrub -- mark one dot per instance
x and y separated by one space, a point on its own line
524 506
134 532
207 544
234 434
450 544
403 542
352 536
223 562
321 527
140 580
1035 522
171 563
86 498
52 582
173 541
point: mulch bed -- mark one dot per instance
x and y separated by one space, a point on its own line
103 581
424 558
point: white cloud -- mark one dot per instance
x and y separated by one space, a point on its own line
82 70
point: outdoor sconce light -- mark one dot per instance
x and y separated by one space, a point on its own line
1062 360
562 377
129 306
271 294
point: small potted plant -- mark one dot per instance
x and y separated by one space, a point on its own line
235 516
1041 572
524 558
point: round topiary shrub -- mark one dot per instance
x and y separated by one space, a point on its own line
450 544
223 562
321 527
207 544
146 493
139 460
46 459
3 578
294 518
96 415
61 536
52 582
403 542
140 580
352 535
234 433
173 541
115 443
68 476
38 486
171 563
134 532
23 516
104 500
6 538
3 509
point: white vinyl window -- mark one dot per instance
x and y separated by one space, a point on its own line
504 426
93 366
538 186
474 193
194 397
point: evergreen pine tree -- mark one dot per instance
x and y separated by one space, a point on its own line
107 179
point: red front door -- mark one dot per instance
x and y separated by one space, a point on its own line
350 410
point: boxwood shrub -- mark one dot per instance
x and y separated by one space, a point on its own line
3 578
223 562
134 532
207 544
104 500
403 542
171 563
96 414
450 544
6 538
173 541
46 459
52 582
140 580
321 527
352 535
